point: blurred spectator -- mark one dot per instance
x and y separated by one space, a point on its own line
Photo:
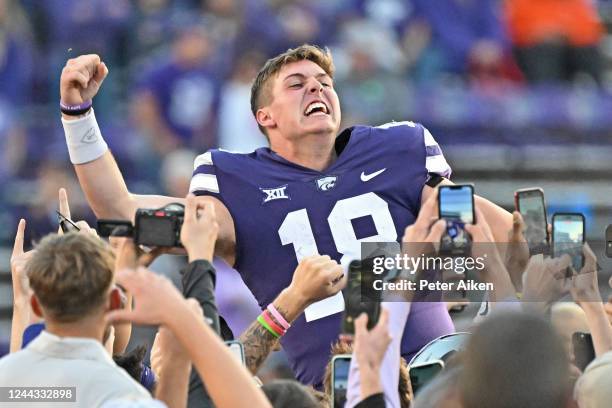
177 101
554 40
465 35
287 24
521 360
224 19
371 49
151 22
42 218
593 388
15 54
16 62
238 129
289 394
176 171
369 72
84 27
568 318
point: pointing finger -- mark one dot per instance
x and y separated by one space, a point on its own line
64 208
18 246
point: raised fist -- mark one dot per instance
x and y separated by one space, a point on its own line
81 79
317 277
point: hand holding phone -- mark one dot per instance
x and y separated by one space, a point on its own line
568 237
584 351
355 302
237 350
456 206
339 380
532 207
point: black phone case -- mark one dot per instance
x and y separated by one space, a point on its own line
584 351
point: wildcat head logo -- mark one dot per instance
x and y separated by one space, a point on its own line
327 183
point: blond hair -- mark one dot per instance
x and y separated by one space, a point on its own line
71 275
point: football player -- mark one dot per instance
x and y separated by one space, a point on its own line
313 191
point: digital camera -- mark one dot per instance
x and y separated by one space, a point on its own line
160 227
153 227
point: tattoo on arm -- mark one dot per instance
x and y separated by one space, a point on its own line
258 343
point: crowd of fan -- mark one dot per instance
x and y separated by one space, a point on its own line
181 72
182 68
76 297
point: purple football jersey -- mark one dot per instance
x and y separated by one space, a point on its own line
284 212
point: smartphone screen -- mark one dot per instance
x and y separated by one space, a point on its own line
421 374
340 371
530 203
456 206
568 237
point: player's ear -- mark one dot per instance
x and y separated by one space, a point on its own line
35 305
264 119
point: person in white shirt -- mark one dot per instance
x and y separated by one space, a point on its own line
72 280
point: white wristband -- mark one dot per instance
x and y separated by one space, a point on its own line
84 139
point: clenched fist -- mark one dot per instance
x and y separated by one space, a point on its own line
317 277
81 79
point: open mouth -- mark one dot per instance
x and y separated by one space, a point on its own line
316 108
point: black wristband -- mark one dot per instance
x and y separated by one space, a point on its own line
434 180
76 110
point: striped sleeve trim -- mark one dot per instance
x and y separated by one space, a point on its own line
434 158
203 160
204 182
429 139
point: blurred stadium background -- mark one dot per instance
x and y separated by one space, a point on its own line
518 92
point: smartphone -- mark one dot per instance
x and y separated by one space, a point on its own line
237 350
584 351
65 223
115 228
456 206
609 241
339 379
530 203
568 237
421 374
358 302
